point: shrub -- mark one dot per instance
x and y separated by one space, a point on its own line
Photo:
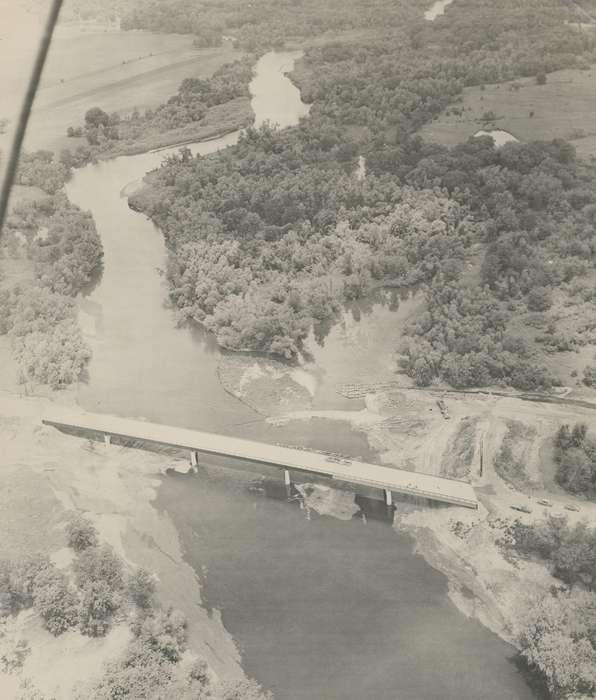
141 587
81 533
589 378
17 580
242 690
98 605
54 600
163 632
539 299
99 565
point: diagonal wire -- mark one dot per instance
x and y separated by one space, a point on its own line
21 127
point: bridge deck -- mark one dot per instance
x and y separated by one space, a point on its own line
372 475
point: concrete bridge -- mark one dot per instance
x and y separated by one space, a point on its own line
388 479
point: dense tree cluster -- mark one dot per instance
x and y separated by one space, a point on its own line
62 241
462 338
47 341
259 259
265 24
89 596
41 319
234 220
556 632
557 638
42 169
88 599
575 454
570 550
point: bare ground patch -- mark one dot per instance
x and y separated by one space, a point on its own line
461 449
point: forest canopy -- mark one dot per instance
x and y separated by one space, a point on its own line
275 234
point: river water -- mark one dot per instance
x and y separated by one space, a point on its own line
320 607
436 9
499 136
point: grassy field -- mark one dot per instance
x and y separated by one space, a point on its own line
117 71
563 108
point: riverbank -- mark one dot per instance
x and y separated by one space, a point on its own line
219 121
487 582
44 475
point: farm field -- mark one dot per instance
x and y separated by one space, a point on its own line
562 108
118 71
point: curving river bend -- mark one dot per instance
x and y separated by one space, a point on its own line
320 608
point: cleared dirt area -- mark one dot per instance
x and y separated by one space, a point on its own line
562 108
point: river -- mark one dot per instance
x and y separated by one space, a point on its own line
436 9
320 607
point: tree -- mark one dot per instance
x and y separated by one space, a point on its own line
96 117
141 587
554 638
242 690
98 604
578 434
163 632
541 78
539 299
589 378
54 600
80 533
99 565
17 582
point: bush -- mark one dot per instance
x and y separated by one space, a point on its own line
575 455
541 78
99 565
17 580
539 299
589 378
242 690
141 587
98 605
163 632
96 117
81 533
54 600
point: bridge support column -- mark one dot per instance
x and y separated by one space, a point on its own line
107 440
388 497
288 483
194 458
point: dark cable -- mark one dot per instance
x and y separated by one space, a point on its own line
21 127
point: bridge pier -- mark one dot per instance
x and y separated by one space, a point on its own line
194 459
388 497
288 482
107 439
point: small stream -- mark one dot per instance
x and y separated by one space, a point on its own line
319 607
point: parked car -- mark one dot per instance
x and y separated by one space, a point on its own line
544 502
570 506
